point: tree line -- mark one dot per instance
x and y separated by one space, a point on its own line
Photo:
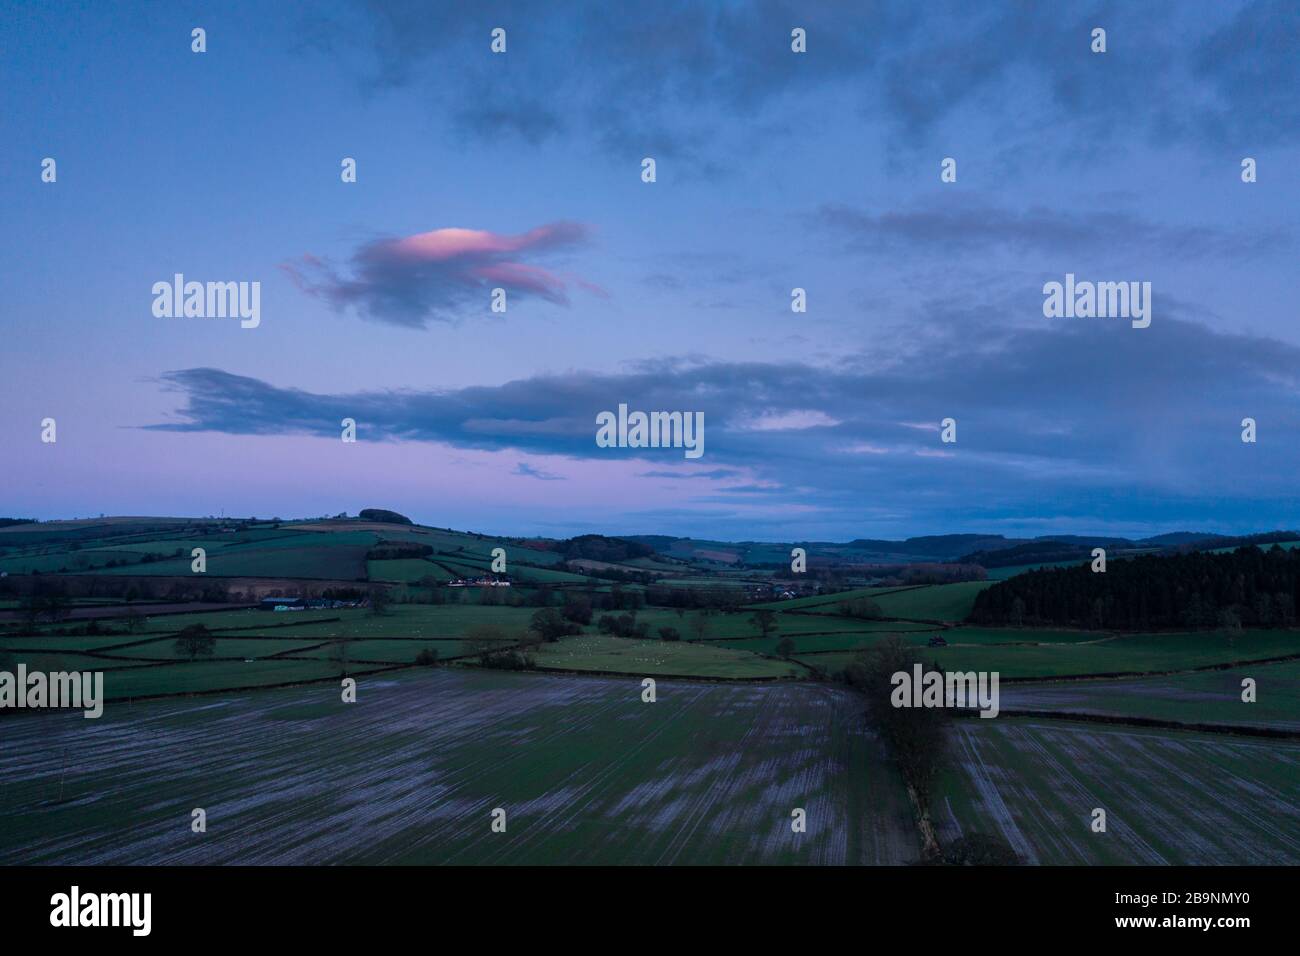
1201 590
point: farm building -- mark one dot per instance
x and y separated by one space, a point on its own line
275 603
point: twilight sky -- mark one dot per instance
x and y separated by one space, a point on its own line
775 170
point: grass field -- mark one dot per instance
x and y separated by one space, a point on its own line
398 651
931 602
241 647
410 773
405 570
740 625
327 561
654 658
1203 697
1130 653
208 676
1170 797
1032 653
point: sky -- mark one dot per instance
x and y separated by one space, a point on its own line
774 170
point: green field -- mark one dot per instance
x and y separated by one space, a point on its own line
241 648
1134 653
740 625
279 560
654 658
202 677
391 651
57 643
930 602
405 570
1054 653
1212 697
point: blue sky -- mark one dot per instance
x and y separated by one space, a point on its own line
775 170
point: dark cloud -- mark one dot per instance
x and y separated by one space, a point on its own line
711 475
653 79
528 471
965 224
1079 417
1251 66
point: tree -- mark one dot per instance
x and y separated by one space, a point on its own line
342 653
784 648
379 601
700 624
577 609
551 625
625 625
862 608
980 849
1230 625
195 641
915 737
764 622
30 609
427 657
483 640
669 634
492 647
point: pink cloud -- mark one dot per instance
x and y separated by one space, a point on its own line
443 274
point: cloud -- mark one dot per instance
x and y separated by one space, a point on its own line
528 471
973 226
794 419
710 474
442 274
1171 71
1083 418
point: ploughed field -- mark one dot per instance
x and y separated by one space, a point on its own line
410 774
1171 797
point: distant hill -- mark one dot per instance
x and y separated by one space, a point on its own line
1182 537
1033 552
986 550
383 516
932 547
598 547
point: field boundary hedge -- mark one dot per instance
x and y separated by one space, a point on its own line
1243 730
